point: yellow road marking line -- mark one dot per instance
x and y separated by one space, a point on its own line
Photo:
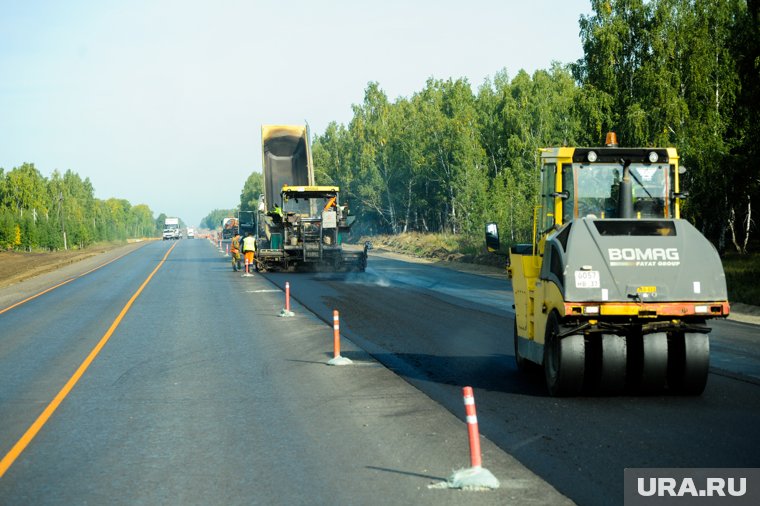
63 283
32 431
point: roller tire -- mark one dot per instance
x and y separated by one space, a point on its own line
689 363
654 367
564 360
612 377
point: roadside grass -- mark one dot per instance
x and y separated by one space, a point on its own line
417 244
448 247
74 248
743 277
742 271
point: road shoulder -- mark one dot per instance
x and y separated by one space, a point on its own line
393 428
31 283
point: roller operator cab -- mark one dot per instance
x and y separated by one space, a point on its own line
615 292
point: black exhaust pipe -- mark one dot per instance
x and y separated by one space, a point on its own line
625 199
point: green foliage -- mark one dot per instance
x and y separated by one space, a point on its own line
254 186
683 73
7 228
680 73
141 221
158 226
214 219
742 273
448 160
36 211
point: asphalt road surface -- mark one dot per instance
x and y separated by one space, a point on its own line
165 378
440 329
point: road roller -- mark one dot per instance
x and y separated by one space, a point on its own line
615 292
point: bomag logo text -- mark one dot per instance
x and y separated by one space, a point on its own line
647 257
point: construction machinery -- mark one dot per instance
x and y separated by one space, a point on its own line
615 291
300 224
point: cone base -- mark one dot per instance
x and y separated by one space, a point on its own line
473 478
339 361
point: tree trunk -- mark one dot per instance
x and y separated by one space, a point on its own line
408 204
747 224
731 220
511 218
453 210
391 210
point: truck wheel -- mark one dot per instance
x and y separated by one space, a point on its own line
613 367
522 363
564 360
689 362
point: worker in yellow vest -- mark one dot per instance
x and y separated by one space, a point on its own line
249 246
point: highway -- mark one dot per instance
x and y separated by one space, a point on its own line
203 394
165 378
440 329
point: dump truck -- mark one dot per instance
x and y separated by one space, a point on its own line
615 291
230 227
300 225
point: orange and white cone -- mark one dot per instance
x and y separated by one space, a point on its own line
337 359
475 477
286 312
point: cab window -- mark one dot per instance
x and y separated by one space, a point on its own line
598 188
549 174
649 184
568 188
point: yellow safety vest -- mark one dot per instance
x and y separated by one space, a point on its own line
249 244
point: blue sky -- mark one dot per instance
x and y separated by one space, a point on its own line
161 102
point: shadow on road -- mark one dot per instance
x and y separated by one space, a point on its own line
406 473
496 373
